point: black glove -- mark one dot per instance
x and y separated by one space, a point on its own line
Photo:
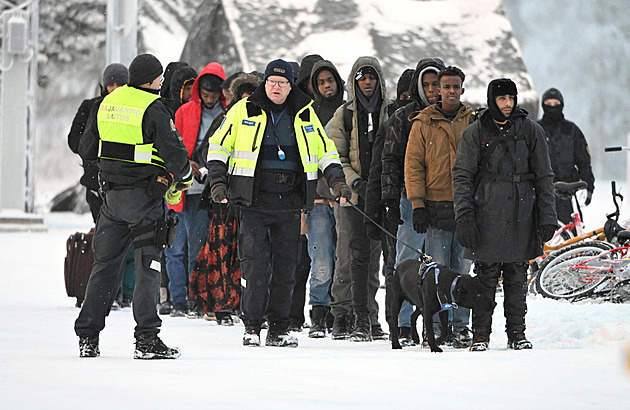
360 187
546 232
219 192
342 190
589 197
420 220
467 232
392 212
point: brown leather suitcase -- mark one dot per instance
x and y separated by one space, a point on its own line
78 264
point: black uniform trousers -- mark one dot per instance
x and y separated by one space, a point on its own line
514 293
122 211
268 238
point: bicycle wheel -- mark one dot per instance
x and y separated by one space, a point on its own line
559 279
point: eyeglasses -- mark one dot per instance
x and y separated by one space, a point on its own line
273 83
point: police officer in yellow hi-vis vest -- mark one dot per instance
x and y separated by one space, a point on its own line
141 158
264 159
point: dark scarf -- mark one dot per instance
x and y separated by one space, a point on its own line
370 107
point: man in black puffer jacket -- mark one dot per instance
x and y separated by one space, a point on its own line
568 150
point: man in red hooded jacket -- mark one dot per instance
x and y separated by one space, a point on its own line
193 120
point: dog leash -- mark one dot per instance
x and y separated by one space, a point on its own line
423 256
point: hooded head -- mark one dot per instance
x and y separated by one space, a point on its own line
416 89
496 88
306 67
171 67
364 67
144 69
244 84
320 75
215 70
552 104
181 85
403 83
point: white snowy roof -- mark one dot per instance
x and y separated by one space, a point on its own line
473 35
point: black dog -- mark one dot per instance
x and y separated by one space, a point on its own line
418 283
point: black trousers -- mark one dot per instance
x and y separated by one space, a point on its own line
302 271
360 248
122 211
267 238
514 293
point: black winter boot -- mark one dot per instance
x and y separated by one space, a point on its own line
404 337
480 340
318 322
362 328
152 347
517 339
340 328
251 336
280 338
88 346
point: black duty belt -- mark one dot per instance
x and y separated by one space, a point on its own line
281 178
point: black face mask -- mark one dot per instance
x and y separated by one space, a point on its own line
553 113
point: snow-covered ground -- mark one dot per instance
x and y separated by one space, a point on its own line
579 360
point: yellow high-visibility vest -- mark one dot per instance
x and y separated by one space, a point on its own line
120 127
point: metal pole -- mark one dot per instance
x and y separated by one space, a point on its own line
122 31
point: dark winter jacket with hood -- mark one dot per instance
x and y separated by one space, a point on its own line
326 107
304 75
355 150
507 192
165 90
568 149
181 77
397 134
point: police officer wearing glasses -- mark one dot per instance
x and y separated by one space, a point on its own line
140 155
265 159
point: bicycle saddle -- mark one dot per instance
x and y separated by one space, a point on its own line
566 190
623 237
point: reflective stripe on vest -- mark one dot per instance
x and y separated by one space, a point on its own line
120 127
241 154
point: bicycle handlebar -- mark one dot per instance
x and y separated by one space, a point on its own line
614 149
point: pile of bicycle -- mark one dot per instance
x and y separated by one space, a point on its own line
579 264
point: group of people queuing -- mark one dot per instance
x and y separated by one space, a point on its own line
292 173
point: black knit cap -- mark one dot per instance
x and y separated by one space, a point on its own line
551 94
145 68
115 74
281 68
